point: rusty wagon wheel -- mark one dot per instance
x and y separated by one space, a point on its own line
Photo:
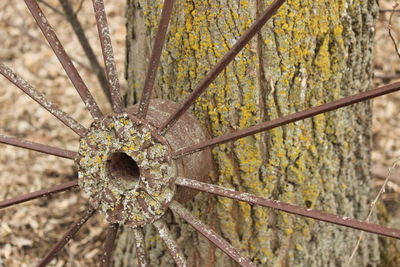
136 163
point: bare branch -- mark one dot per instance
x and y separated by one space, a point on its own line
373 205
73 20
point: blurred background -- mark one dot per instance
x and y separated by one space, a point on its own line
29 230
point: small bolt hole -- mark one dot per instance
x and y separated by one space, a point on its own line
122 166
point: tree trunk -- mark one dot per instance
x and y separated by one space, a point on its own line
311 53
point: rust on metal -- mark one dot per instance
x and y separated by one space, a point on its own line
109 244
37 147
38 194
141 255
41 100
125 166
126 170
185 132
171 244
268 125
67 236
64 59
221 65
72 18
293 209
108 55
210 234
155 58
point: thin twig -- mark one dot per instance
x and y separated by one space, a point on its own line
59 12
380 172
71 17
390 29
48 5
73 20
79 8
382 189
373 205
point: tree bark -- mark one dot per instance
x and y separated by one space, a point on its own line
311 53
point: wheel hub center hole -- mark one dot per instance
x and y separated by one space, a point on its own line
123 167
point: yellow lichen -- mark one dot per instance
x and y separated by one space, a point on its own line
300 48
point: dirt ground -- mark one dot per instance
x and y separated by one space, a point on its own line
28 231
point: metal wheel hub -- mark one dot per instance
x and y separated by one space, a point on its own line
126 170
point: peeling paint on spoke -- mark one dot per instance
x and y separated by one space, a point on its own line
108 55
171 244
109 245
64 59
140 247
68 236
38 194
222 64
210 234
42 100
293 209
155 58
37 147
311 112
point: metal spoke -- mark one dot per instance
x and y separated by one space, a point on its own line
155 58
109 245
210 234
140 247
37 147
41 99
38 194
293 209
221 65
108 55
64 59
264 126
77 27
172 246
67 236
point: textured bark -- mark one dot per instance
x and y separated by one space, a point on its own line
312 52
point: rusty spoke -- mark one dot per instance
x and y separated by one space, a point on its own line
37 147
311 112
41 100
155 58
221 65
67 236
38 194
64 59
140 247
289 208
171 244
210 234
108 55
77 27
109 245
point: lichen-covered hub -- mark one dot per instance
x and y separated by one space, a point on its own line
126 170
